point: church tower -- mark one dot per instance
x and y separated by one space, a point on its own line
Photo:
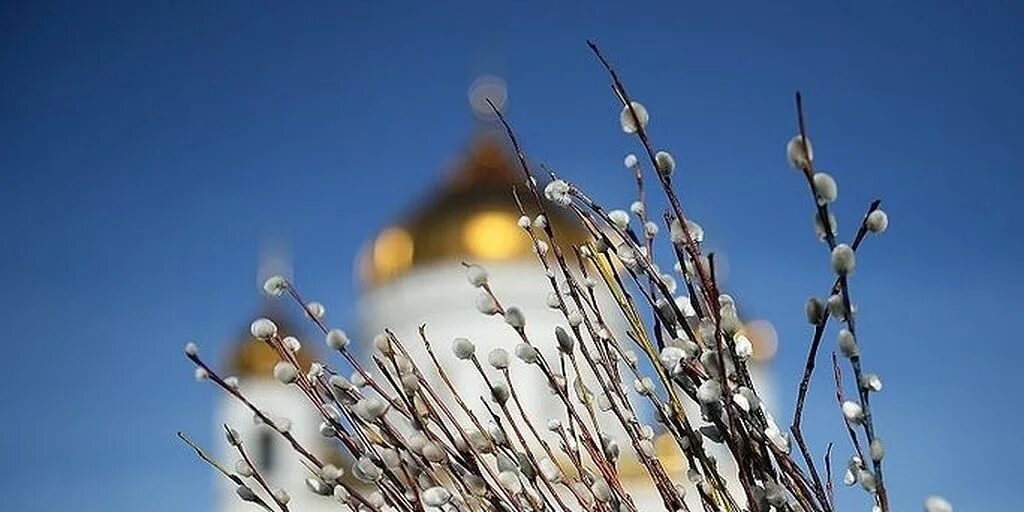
251 362
411 273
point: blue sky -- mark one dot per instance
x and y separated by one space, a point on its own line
148 151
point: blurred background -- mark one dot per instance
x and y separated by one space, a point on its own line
151 153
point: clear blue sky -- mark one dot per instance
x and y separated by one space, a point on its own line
147 151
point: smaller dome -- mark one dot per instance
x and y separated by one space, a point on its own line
250 357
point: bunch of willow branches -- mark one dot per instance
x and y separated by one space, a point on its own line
415 444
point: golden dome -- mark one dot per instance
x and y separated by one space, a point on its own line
252 357
471 216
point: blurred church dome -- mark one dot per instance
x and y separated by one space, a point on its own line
471 215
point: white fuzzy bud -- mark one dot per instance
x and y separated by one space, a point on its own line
877 450
275 286
877 221
798 153
526 353
246 494
871 382
336 339
383 343
741 402
775 495
651 229
675 232
836 307
685 306
476 275
627 256
565 342
575 318
285 372
201 374
292 344
341 494
436 496
263 328
558 192
243 468
849 477
848 344
744 348
637 208
316 310
666 164
644 386
370 409
549 471
540 247
709 392
231 382
498 358
376 500
525 222
815 311
366 471
937 504
191 349
843 260
777 438
317 486
670 357
509 480
485 303
281 496
602 492
463 348
630 161
867 481
731 323
852 411
515 317
500 392
331 473
632 123
619 218
647 448
825 189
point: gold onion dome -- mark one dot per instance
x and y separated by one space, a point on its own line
250 357
471 216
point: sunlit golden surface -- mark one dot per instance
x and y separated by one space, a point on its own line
392 251
493 235
763 337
